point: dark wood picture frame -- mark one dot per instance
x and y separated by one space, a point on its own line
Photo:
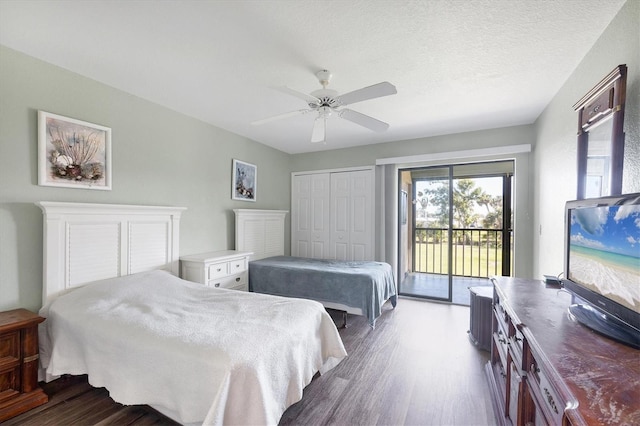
601 110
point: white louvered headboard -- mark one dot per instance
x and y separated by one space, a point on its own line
87 242
260 232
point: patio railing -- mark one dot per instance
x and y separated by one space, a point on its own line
475 252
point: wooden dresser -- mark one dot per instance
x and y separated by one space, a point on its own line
222 269
545 368
19 389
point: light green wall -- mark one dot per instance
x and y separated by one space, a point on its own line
160 157
555 164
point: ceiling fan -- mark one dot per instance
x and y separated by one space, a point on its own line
325 102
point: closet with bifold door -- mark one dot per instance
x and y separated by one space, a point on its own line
332 214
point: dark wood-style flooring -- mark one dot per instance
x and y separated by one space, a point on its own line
417 367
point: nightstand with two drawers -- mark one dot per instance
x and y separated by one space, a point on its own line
221 269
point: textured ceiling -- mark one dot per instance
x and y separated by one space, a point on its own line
458 65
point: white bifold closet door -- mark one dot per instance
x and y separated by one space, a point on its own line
310 215
332 215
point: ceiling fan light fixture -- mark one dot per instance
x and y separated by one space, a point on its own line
318 133
324 76
325 112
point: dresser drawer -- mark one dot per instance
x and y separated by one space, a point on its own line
515 380
545 395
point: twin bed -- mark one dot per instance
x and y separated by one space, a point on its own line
117 312
357 287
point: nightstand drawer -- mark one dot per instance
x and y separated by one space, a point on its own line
9 383
218 270
9 348
237 266
232 281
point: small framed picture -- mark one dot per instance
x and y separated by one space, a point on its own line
73 153
244 181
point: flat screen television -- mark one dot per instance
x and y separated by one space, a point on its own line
602 265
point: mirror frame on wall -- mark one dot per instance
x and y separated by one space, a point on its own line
603 106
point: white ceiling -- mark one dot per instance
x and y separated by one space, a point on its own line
458 65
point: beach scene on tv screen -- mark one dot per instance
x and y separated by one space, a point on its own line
604 252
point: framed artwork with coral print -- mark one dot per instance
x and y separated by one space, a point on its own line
73 153
244 181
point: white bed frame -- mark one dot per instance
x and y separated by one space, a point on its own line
262 232
89 242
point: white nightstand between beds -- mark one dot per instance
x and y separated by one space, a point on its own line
222 269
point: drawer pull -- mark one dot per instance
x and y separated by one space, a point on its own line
219 269
216 285
552 403
238 279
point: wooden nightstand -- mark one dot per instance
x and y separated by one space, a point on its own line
222 269
19 389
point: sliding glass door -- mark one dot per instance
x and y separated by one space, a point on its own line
430 235
459 232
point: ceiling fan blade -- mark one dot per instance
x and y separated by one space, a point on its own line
305 97
371 92
319 130
280 116
363 120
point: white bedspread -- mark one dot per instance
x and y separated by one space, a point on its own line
206 355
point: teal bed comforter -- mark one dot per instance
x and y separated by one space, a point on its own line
366 285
